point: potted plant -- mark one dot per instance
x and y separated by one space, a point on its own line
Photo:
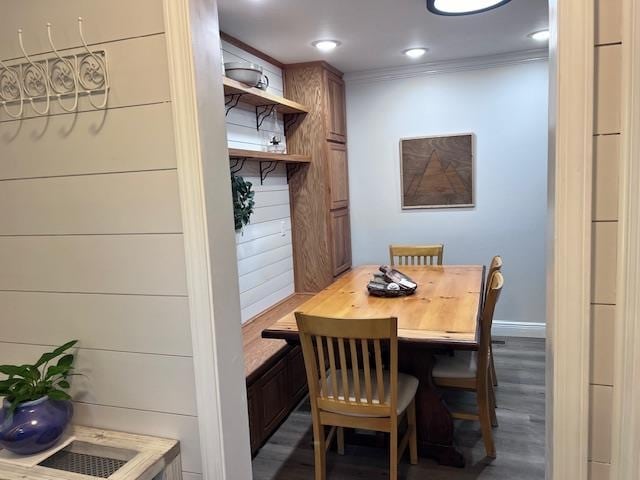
243 201
36 408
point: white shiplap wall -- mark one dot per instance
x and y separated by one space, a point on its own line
265 259
91 240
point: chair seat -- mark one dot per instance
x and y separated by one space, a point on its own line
407 388
461 365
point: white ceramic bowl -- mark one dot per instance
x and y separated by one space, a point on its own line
244 72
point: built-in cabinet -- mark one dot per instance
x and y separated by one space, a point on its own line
335 109
320 193
273 392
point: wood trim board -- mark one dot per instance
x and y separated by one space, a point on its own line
569 237
625 462
193 47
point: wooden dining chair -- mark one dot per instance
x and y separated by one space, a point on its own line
356 392
496 266
470 370
416 254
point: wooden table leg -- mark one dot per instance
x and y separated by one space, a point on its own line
435 424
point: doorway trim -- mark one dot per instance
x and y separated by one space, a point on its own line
571 97
195 63
191 35
625 462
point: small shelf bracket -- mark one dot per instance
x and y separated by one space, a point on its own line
231 102
289 121
266 170
262 112
292 168
238 164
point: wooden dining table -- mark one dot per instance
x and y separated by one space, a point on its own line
443 314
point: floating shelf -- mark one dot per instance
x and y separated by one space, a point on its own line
268 161
268 156
260 98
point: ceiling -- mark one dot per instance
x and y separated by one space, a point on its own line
375 32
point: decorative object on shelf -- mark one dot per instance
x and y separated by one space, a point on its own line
437 172
247 73
391 283
36 408
63 78
243 201
275 145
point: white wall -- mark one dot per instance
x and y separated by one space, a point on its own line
265 256
506 108
91 242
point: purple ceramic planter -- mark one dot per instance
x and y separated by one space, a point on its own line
34 426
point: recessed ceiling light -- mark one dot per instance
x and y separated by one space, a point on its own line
540 36
415 52
326 45
463 7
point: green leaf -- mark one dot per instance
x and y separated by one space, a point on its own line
66 361
47 357
13 370
64 384
54 370
58 395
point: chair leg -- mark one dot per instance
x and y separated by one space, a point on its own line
494 376
319 448
484 406
413 438
492 406
393 448
340 435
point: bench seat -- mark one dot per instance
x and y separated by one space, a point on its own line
274 372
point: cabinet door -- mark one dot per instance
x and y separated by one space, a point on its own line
273 397
341 240
338 176
255 428
336 116
297 375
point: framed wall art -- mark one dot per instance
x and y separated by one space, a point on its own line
437 171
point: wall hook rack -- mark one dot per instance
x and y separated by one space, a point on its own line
11 90
92 72
265 171
35 81
63 78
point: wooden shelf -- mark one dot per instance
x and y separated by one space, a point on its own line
255 96
268 156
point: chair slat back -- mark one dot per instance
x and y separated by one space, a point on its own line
496 266
345 375
416 254
494 288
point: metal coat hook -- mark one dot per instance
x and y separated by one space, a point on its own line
11 91
92 73
63 78
35 80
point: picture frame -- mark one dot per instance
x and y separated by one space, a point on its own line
437 171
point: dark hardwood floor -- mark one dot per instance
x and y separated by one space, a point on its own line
520 438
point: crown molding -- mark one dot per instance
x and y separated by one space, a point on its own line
448 66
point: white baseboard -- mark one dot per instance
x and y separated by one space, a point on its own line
503 328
